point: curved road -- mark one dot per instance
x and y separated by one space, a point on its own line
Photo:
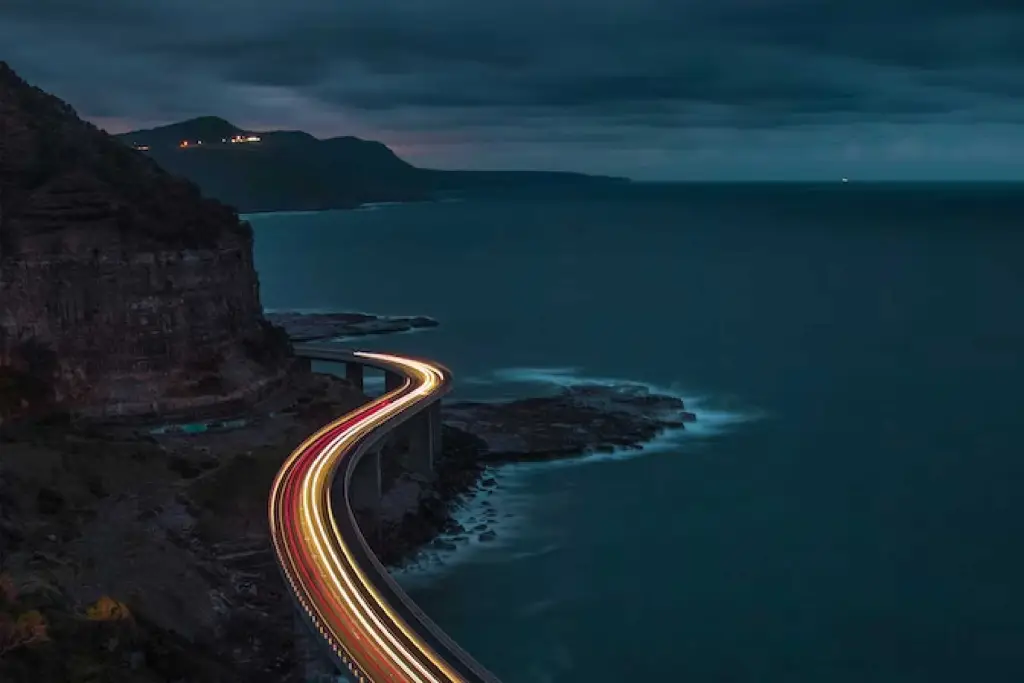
368 623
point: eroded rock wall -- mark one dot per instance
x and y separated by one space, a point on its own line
122 290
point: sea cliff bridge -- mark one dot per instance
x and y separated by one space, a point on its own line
359 614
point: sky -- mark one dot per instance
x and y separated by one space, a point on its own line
650 89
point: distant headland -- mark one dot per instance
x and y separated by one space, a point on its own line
294 171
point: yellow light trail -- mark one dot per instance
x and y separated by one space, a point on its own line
317 544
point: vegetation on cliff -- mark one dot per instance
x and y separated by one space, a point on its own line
45 636
148 557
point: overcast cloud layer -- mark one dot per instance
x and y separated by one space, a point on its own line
660 89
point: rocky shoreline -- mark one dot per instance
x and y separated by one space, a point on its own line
173 528
483 436
171 523
146 405
418 513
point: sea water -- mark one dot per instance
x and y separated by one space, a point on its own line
848 507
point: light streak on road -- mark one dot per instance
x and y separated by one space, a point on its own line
332 573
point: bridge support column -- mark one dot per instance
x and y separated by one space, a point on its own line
366 484
420 440
434 416
354 374
392 381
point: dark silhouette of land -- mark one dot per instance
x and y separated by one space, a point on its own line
294 171
146 401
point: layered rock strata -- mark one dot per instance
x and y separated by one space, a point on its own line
122 290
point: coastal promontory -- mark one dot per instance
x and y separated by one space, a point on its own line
130 310
290 170
123 291
146 404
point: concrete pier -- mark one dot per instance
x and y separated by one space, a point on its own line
366 485
434 418
419 444
415 444
392 381
354 374
366 516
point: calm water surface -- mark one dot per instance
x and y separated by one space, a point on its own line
850 508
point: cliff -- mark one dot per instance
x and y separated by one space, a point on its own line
122 290
292 170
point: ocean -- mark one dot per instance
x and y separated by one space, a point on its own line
848 508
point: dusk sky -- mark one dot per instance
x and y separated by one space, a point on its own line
652 89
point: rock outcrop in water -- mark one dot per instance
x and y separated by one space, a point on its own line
122 290
587 418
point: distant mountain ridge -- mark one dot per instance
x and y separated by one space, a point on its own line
295 171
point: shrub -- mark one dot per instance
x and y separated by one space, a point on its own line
19 627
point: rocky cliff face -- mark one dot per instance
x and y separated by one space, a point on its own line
122 290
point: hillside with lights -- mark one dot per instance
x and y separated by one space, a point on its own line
294 171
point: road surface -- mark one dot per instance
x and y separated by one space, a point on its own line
366 621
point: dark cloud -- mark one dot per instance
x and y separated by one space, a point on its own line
571 71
